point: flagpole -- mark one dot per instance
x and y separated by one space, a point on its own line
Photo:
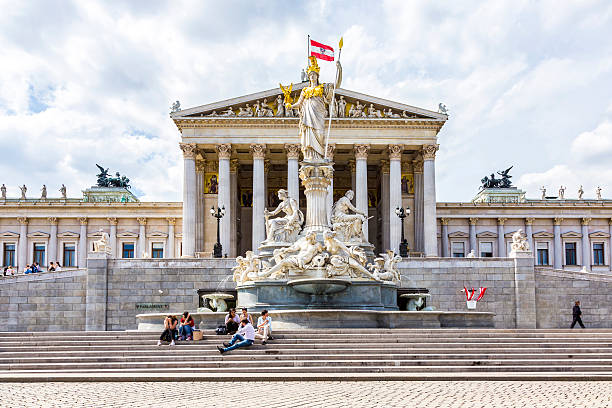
333 101
308 51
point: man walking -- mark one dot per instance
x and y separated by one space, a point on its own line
577 314
264 327
244 337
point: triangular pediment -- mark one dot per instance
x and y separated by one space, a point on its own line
9 234
571 234
599 234
38 234
374 108
127 234
157 234
487 234
68 234
458 234
543 234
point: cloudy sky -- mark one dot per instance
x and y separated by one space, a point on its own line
527 83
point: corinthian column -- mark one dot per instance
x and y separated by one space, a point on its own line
386 211
529 232
557 251
395 194
142 241
473 246
189 199
331 149
201 212
224 152
417 166
259 195
501 239
52 257
113 235
82 262
170 247
293 181
23 243
235 208
429 200
361 182
586 246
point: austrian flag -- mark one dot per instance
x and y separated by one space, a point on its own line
321 51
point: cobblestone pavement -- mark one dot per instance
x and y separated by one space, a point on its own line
472 394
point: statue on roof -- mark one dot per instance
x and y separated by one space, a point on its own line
311 105
176 106
105 181
492 182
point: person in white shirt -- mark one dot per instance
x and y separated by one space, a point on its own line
244 337
264 327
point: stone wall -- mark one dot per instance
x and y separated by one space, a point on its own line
140 280
51 301
556 292
446 277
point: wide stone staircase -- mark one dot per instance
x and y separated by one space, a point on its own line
324 354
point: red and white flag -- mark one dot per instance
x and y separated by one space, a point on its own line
321 51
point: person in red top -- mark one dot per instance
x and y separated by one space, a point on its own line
186 328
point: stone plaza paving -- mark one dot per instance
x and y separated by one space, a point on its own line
429 394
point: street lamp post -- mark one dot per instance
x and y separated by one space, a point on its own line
403 213
218 214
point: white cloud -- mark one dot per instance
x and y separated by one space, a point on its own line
92 81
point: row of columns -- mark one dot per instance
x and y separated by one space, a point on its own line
82 250
501 241
425 196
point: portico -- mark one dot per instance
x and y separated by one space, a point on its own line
388 161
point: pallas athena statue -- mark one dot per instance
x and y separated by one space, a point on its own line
311 105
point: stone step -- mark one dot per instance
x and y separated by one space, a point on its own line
542 368
200 357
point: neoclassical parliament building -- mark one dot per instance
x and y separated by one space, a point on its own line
239 152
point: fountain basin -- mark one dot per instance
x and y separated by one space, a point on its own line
314 286
218 300
415 300
338 319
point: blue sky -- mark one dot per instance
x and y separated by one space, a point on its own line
527 83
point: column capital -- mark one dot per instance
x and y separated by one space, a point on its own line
361 151
444 221
171 220
234 164
142 220
351 164
200 166
224 150
189 150
557 221
384 166
529 220
52 220
83 220
293 151
112 220
473 220
22 220
429 151
501 220
258 151
586 220
331 149
395 152
417 165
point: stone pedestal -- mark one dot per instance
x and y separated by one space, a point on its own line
97 291
316 177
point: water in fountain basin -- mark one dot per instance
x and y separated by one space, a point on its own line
224 280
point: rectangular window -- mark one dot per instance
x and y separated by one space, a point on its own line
486 249
458 249
542 252
128 250
9 255
598 253
39 254
157 250
570 253
69 255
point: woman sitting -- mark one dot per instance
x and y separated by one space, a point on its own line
169 332
186 327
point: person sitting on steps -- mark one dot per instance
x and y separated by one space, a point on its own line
264 327
186 327
245 337
232 321
169 332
